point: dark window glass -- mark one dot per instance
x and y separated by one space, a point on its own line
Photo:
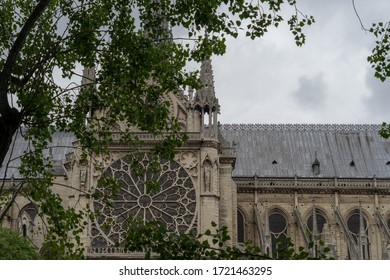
278 230
320 223
277 223
24 230
353 224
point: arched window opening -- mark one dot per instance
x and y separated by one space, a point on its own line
358 228
28 221
206 120
240 227
278 230
24 230
315 226
320 221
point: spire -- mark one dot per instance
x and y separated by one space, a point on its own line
207 92
88 83
205 96
207 78
206 103
89 76
159 28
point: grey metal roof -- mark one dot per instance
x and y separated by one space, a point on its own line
60 146
275 150
349 151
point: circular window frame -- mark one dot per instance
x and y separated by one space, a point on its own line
174 204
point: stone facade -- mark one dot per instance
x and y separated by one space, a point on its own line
298 200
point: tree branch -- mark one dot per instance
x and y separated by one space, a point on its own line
5 75
358 16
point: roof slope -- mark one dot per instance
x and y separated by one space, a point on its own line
349 151
60 146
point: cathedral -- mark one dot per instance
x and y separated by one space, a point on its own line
262 181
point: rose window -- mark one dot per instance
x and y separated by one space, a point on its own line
174 204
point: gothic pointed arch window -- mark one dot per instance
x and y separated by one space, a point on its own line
240 227
315 226
358 228
315 223
278 229
29 223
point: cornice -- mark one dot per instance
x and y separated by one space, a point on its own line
317 185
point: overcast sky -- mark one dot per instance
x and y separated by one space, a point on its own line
328 80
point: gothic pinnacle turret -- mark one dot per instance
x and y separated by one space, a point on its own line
88 83
205 96
206 77
206 103
89 76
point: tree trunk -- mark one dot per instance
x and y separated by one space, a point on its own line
10 117
8 127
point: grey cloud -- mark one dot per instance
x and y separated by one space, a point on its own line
378 103
311 92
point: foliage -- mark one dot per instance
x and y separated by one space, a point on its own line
380 55
137 62
15 247
380 59
155 241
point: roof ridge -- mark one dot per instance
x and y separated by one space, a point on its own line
302 127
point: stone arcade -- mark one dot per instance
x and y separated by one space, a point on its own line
261 181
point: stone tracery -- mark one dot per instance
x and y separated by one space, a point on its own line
174 204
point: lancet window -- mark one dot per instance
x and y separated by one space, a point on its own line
358 228
240 227
278 229
315 224
27 221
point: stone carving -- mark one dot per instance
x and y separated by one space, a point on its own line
181 114
83 176
69 161
207 174
207 179
216 171
189 161
115 155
